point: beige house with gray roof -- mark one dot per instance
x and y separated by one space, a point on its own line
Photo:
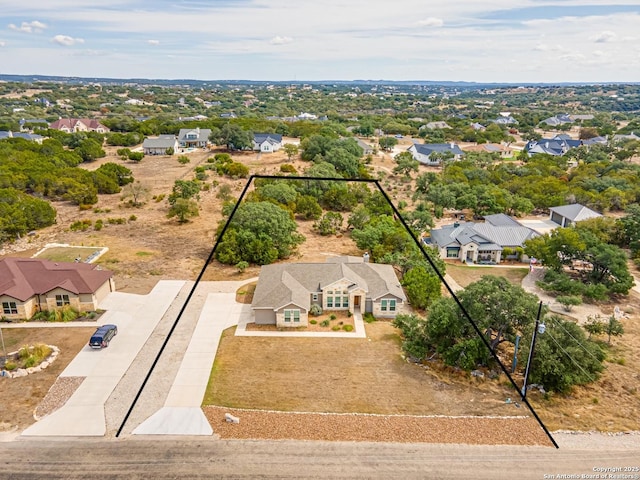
286 292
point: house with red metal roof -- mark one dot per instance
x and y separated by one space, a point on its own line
29 285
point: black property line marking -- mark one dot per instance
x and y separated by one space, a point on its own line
416 241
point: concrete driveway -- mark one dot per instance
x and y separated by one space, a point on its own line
136 317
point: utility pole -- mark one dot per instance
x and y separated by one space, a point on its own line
539 328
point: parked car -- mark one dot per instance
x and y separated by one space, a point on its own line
102 336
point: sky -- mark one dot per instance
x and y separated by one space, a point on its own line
515 41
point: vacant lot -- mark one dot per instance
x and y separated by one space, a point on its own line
464 275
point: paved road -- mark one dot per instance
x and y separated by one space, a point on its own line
186 457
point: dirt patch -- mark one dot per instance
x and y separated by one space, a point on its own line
376 428
19 397
464 274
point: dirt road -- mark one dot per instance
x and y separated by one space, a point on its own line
188 458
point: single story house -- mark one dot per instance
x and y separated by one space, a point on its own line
567 215
267 142
505 151
286 292
435 125
159 145
560 119
480 242
70 125
422 152
32 137
29 285
194 137
366 148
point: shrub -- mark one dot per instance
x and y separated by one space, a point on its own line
10 365
568 301
369 318
80 225
347 328
315 310
313 322
288 168
332 317
98 225
324 323
132 218
335 328
183 159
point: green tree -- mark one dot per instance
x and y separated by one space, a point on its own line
89 150
387 143
405 164
422 287
184 209
308 207
563 356
234 137
499 309
122 175
185 189
290 150
260 232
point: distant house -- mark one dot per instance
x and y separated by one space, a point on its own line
366 148
29 285
505 120
505 151
568 215
286 292
25 123
478 127
557 120
556 146
267 142
480 242
32 137
194 137
436 125
71 125
423 152
623 138
160 145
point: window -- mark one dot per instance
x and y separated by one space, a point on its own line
292 315
329 302
10 308
345 302
388 305
314 297
453 252
62 300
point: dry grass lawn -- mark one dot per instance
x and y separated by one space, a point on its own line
464 275
344 376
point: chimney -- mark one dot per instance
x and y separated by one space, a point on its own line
365 257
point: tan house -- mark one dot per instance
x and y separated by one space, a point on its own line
71 125
29 285
286 292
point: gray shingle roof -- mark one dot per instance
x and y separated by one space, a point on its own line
285 283
163 141
490 236
429 148
270 137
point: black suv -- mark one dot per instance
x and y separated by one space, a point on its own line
103 336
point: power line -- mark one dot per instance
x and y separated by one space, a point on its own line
576 340
571 358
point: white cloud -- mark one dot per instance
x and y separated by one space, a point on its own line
431 22
153 42
2 44
604 37
66 40
29 27
598 53
278 40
